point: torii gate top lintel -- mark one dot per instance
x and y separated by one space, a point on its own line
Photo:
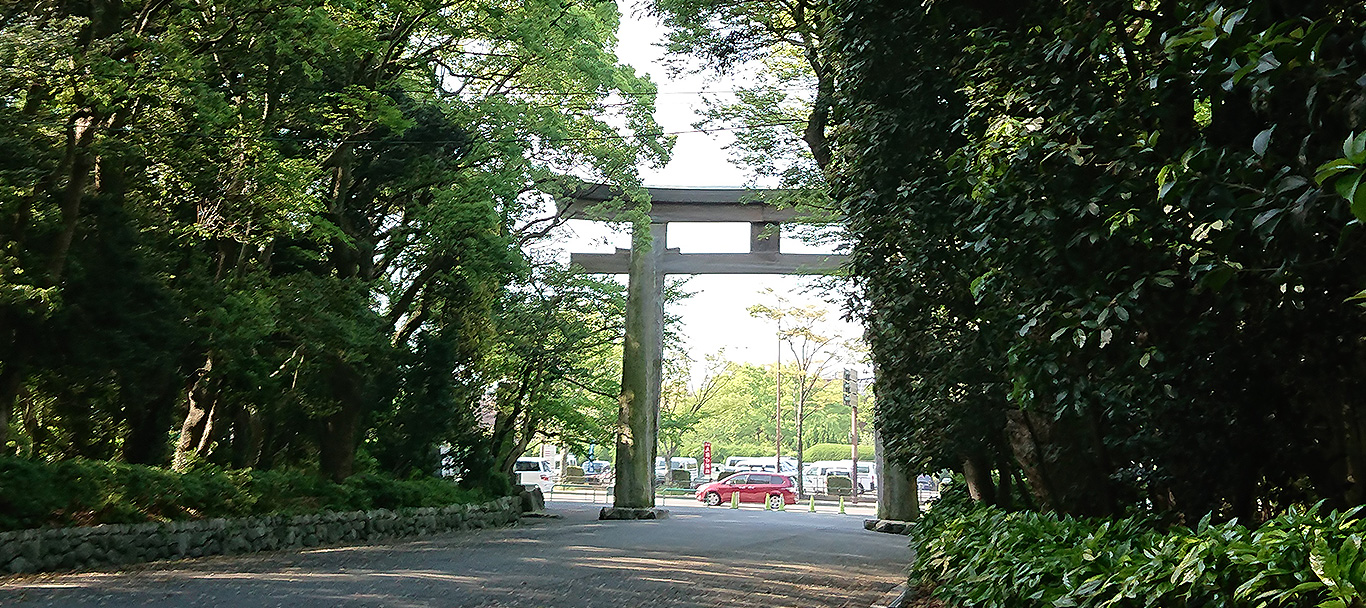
737 205
686 204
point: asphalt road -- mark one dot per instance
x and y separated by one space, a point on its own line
698 557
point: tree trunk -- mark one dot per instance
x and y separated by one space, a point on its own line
11 381
1004 475
33 427
247 439
801 455
146 441
1064 474
337 446
200 398
69 199
977 473
341 430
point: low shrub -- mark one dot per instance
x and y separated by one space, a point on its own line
839 485
573 474
89 492
680 478
979 556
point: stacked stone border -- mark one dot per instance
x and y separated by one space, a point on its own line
56 549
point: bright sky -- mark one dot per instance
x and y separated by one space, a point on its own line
716 317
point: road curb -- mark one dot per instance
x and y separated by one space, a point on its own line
894 598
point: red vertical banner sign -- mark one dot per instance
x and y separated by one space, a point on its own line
706 458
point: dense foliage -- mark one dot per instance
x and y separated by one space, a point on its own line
972 554
88 492
1098 267
269 234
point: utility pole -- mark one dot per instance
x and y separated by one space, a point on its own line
778 403
851 400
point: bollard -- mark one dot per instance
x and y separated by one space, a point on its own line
841 505
735 500
812 509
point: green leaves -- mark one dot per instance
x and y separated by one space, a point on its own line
316 201
1073 212
981 556
1354 148
1261 141
1347 174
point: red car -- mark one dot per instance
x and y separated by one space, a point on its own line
752 487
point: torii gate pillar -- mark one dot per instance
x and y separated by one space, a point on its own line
641 371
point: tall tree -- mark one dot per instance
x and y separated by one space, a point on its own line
283 218
1089 239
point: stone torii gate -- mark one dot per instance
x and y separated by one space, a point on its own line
647 262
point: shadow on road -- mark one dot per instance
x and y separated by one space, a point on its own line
698 557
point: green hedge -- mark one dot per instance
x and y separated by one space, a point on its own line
89 492
987 558
835 451
839 485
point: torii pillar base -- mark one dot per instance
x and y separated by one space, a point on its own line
629 513
898 495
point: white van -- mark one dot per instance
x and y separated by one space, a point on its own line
534 472
784 465
686 463
814 474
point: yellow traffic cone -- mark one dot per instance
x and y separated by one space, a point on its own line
735 500
782 504
812 509
766 507
841 505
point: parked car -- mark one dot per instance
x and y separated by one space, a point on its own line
534 472
816 473
751 487
786 465
686 463
598 472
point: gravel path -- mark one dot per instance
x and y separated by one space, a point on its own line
698 557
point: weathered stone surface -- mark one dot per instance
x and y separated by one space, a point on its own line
533 500
632 513
888 526
19 565
25 551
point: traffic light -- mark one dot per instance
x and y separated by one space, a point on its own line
850 388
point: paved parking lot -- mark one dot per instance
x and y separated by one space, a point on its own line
698 557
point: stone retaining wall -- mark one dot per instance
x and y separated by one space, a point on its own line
41 550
